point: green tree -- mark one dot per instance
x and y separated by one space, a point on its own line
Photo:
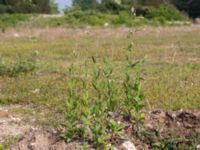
27 6
86 4
115 6
192 7
54 7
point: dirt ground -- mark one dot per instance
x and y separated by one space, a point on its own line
182 127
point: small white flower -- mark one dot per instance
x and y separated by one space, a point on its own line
36 91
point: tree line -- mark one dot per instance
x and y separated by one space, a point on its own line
191 7
28 6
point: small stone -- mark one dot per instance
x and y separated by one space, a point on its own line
197 21
149 126
198 147
16 35
4 114
178 123
128 146
15 119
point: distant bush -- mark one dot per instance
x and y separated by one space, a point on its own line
28 6
89 17
165 12
13 20
124 18
3 9
75 17
21 65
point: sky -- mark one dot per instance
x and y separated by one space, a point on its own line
63 3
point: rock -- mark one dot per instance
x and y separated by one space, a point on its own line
197 21
198 147
128 146
16 35
4 114
15 119
113 114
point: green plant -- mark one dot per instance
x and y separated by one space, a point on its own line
3 68
134 97
92 96
8 142
116 128
21 65
168 144
12 20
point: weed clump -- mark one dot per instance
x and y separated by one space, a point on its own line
21 65
95 99
7 20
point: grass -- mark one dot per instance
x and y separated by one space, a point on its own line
175 143
172 63
21 65
171 71
8 142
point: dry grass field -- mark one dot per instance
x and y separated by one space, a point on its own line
171 69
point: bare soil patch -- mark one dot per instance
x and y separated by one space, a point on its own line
181 127
12 125
43 140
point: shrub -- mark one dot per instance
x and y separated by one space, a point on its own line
164 12
21 65
13 20
110 6
90 17
124 18
3 9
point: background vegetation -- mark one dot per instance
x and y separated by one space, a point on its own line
95 13
27 6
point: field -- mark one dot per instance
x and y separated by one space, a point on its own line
171 68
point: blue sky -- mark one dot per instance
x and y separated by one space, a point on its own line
63 3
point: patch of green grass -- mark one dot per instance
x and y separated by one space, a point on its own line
8 142
176 86
23 111
176 143
171 81
21 65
